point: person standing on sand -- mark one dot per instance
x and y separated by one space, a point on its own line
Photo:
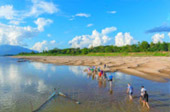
146 99
130 91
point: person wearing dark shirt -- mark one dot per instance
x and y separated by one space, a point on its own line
105 76
146 99
101 72
104 65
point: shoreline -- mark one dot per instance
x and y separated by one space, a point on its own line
151 68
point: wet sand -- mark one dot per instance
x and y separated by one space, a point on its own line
151 68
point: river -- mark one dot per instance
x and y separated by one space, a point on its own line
24 86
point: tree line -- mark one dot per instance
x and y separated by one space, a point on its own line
139 47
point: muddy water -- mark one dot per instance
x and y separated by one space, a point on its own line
24 86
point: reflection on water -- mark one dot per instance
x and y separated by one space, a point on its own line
43 67
78 70
120 75
27 84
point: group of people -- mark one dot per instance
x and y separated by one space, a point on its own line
102 76
144 97
101 73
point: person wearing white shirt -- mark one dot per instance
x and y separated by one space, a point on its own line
142 93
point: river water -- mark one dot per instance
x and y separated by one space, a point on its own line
24 86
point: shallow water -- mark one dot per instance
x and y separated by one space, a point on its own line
26 85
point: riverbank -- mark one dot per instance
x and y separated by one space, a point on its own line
152 68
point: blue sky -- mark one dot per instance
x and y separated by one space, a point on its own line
45 24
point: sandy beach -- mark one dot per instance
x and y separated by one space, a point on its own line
152 68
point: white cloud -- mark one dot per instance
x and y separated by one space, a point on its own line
158 38
53 42
40 46
40 6
80 41
14 22
79 15
41 22
108 30
48 35
71 19
14 35
7 12
44 45
112 12
95 39
89 25
169 34
83 15
124 39
105 39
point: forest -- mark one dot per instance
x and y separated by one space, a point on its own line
135 48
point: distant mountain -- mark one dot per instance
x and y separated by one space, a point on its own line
13 50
